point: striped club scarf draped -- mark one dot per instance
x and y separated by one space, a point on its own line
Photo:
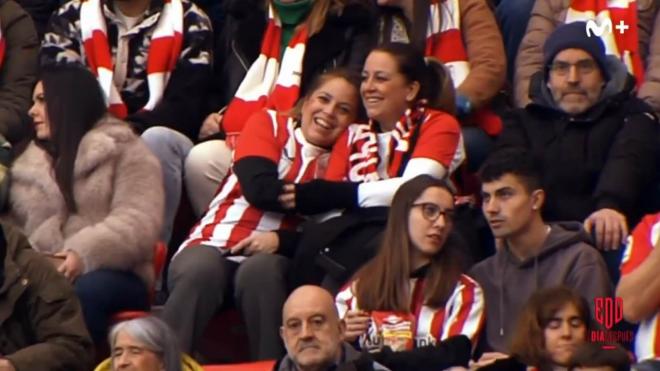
164 51
266 85
624 45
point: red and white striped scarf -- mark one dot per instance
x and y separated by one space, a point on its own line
266 85
623 45
445 42
164 51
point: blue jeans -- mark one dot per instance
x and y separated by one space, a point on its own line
513 16
171 148
103 293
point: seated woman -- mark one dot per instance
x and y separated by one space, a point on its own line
145 344
553 325
88 191
410 132
277 149
413 294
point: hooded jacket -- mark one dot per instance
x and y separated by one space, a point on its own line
602 158
566 258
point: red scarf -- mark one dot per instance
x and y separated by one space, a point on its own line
624 45
266 85
164 51
445 42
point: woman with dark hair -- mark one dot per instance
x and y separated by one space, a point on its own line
413 294
89 193
280 148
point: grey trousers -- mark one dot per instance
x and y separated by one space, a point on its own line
200 279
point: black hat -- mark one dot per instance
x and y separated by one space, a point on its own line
574 36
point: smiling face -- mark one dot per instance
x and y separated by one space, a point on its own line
563 334
386 93
579 87
429 223
39 114
328 110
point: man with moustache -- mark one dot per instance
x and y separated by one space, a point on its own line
595 141
534 254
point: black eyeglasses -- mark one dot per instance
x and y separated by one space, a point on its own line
432 212
584 67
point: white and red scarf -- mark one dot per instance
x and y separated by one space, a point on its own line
164 51
624 45
444 41
266 85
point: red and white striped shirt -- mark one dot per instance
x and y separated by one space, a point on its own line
230 217
639 247
463 313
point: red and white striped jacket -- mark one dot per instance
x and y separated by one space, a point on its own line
463 314
230 217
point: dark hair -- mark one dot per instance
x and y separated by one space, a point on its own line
350 76
74 103
515 161
594 355
382 284
528 342
436 86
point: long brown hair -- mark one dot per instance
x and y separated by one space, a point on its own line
383 283
528 342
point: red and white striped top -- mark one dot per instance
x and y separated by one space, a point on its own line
463 314
230 218
639 247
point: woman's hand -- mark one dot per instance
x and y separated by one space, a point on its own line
72 266
258 242
288 197
211 125
357 324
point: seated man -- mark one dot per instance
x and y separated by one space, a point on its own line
153 61
41 325
18 69
639 288
595 141
533 254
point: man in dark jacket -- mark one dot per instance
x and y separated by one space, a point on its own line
595 141
533 254
41 323
18 69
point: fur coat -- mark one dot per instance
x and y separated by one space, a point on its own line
118 190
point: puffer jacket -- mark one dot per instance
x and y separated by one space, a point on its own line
547 15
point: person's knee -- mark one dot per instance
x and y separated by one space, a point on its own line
197 267
262 272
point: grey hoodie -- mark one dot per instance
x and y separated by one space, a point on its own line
566 258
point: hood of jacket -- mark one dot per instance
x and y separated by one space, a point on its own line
619 87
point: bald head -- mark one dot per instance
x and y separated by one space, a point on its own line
311 328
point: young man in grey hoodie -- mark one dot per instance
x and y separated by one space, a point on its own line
532 254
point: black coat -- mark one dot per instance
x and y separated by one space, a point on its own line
604 158
344 41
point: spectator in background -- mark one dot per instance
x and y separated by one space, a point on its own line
639 288
19 47
638 46
596 142
42 327
295 41
281 148
314 335
87 190
153 61
412 294
145 344
463 34
534 254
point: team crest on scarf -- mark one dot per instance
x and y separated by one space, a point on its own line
164 52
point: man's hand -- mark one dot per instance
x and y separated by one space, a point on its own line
211 125
609 227
5 365
72 265
357 323
288 197
258 242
